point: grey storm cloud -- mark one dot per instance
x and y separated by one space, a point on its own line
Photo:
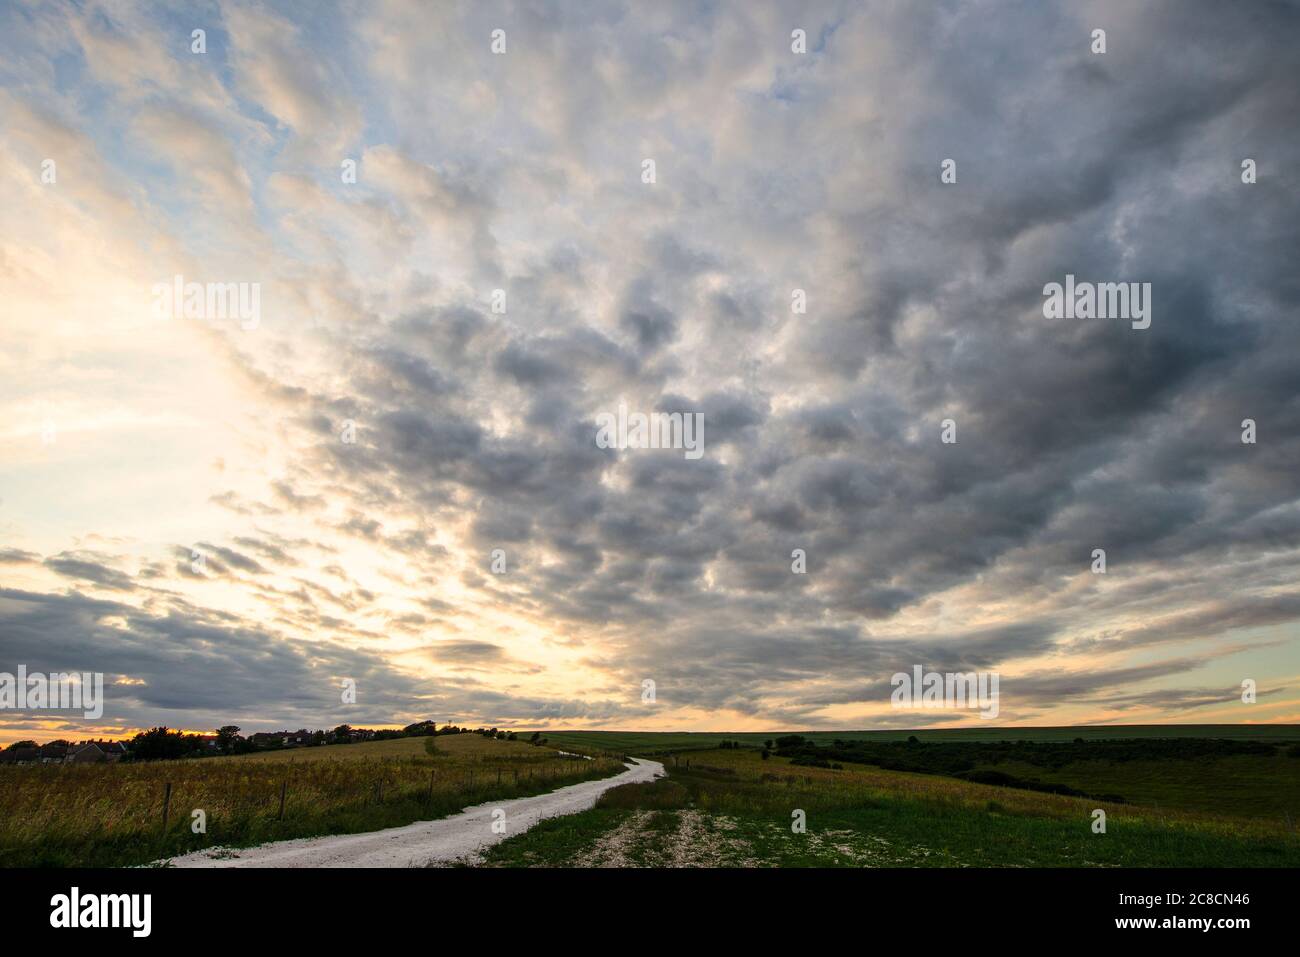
90 567
821 429
190 667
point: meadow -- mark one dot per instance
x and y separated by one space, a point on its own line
106 815
730 807
649 743
1236 778
1186 796
1173 795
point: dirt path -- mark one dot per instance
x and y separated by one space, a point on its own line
444 841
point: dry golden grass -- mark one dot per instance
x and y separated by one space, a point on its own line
111 814
462 748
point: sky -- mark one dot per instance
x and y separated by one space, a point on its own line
233 519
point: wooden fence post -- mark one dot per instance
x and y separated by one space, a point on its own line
431 773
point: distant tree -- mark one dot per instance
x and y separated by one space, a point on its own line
342 734
769 745
162 744
536 736
765 754
227 737
22 744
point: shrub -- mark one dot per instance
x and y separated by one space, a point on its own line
810 761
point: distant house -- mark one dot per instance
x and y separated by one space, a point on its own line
113 750
282 739
61 752
88 752
95 752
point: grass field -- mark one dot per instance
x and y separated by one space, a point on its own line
665 742
111 815
1240 786
731 808
1236 806
465 748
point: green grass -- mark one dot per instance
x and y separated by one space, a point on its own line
661 742
1249 786
903 834
556 842
730 808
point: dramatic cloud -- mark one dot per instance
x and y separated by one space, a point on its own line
392 475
